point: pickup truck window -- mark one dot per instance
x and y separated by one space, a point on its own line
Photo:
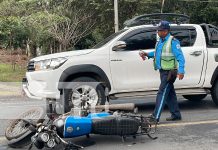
141 40
186 37
211 35
146 39
214 36
108 39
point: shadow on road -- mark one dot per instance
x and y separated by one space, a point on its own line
185 105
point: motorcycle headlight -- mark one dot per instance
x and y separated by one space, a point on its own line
49 64
44 137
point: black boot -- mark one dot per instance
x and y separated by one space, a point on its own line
173 118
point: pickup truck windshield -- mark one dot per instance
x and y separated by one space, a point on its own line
108 39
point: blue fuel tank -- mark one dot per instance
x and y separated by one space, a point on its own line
78 126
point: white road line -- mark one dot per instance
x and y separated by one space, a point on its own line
188 123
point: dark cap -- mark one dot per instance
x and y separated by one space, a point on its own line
163 25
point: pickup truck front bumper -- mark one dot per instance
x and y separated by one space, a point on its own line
37 90
26 91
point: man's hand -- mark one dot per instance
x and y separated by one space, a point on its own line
143 54
180 76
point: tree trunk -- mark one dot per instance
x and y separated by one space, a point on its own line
38 51
65 47
60 47
51 49
33 50
28 52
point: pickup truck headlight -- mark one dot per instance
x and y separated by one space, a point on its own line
49 64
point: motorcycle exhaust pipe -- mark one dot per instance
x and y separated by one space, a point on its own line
127 107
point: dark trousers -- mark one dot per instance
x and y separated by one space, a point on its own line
166 94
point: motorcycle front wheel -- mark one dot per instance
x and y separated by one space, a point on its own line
17 133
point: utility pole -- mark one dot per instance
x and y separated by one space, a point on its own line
162 5
116 20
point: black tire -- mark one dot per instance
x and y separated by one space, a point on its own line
214 92
83 81
22 141
18 140
195 98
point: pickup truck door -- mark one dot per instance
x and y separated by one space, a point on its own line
129 71
192 45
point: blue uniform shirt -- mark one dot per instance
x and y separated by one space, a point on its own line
176 50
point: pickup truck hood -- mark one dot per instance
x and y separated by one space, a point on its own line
64 54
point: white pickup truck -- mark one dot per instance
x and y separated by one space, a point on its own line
115 64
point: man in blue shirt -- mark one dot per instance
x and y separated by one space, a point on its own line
169 60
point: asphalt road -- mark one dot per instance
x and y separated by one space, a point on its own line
197 131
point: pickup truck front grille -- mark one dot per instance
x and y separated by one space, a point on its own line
30 66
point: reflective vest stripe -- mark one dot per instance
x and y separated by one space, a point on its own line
168 60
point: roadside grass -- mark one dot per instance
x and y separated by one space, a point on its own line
8 74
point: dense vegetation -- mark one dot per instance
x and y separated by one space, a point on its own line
49 26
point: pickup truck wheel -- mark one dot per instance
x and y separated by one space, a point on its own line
214 92
195 98
84 92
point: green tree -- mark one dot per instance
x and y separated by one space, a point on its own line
53 25
12 32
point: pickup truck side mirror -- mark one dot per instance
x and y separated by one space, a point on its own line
119 46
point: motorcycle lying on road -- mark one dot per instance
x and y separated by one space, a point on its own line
52 132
